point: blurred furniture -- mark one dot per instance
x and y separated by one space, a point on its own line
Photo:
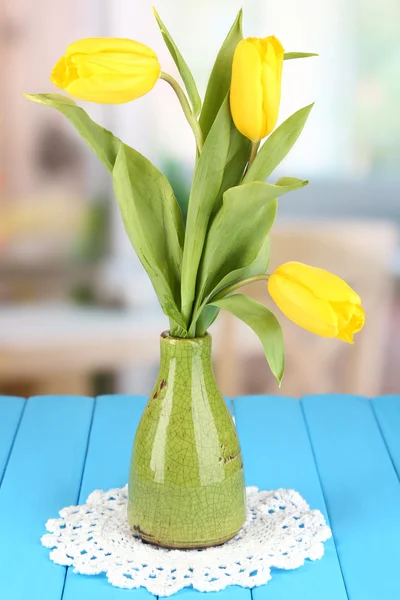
36 147
57 348
50 246
361 253
340 453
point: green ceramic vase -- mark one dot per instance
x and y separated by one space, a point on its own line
186 484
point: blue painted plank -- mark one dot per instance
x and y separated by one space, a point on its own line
43 475
362 493
277 454
387 412
10 414
107 466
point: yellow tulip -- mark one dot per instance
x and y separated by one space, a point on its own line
256 86
107 70
317 301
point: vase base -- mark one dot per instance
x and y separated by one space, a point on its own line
172 545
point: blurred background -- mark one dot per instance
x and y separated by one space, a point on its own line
77 312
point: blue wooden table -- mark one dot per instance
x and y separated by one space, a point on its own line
342 453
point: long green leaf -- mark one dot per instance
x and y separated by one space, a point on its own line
239 230
264 324
182 66
237 244
238 157
221 76
277 146
206 185
153 222
103 143
292 55
208 314
207 317
151 214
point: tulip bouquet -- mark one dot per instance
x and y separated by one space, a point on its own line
186 483
198 253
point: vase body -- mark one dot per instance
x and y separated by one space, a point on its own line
186 483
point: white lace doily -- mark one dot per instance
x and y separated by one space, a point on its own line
280 531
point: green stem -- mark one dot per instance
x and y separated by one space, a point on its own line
192 328
254 149
191 119
238 284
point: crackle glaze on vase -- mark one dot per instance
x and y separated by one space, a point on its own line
186 483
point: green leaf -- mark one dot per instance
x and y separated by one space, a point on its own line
258 266
292 55
221 76
277 146
264 324
153 222
207 317
237 244
151 214
172 169
49 99
206 185
238 157
183 68
239 230
103 143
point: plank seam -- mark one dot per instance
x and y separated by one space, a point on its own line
384 439
323 494
81 481
13 442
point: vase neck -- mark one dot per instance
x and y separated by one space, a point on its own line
188 349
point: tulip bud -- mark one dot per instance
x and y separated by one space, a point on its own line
256 86
107 70
317 301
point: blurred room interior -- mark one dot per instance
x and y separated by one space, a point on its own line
78 313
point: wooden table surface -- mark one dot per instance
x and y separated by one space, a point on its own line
342 453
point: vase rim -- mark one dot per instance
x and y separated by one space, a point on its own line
165 336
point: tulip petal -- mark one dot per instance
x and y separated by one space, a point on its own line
107 70
114 64
272 77
271 94
110 89
323 285
96 45
60 75
299 305
279 49
351 320
246 92
256 86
